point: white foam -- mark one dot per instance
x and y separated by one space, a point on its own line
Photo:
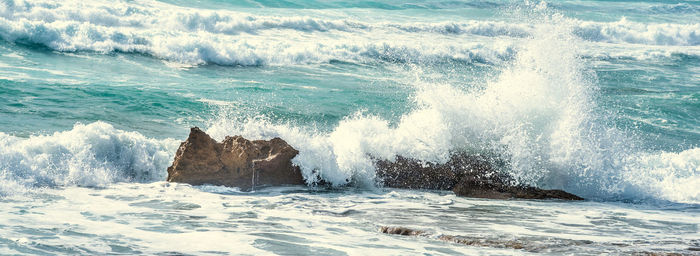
537 116
197 36
624 31
96 154
667 175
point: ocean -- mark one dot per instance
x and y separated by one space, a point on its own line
598 98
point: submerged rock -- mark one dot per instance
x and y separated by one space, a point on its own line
471 241
401 231
235 162
466 175
534 244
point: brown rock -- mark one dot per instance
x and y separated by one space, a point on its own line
235 162
242 163
472 186
466 175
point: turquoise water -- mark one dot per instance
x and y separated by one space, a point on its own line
599 98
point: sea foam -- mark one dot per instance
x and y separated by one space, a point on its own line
95 154
537 117
197 36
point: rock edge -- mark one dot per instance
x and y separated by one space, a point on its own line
235 162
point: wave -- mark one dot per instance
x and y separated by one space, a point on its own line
197 36
536 116
678 8
625 31
95 154
673 176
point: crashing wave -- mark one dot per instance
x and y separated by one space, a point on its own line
96 154
537 116
196 36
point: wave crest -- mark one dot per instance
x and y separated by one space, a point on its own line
195 36
96 154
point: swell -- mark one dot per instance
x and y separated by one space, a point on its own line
197 36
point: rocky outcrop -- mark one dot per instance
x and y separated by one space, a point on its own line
238 162
235 162
466 175
413 174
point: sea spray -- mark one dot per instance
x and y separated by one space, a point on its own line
514 116
538 117
602 102
536 114
89 155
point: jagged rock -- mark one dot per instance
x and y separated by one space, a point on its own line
242 163
466 175
414 174
235 162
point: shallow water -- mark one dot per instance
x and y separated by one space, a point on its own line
599 98
162 218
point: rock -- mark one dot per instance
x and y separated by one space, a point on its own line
475 187
235 162
401 231
466 175
470 241
414 174
493 243
238 162
528 244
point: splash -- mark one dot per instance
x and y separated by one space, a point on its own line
90 155
538 116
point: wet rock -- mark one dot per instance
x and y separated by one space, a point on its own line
466 175
235 162
532 244
476 186
470 241
512 244
415 174
238 162
400 231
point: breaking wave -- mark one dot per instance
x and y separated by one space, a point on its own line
196 36
538 116
96 154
